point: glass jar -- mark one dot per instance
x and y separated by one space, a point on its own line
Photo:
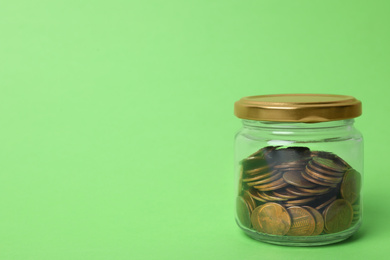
299 167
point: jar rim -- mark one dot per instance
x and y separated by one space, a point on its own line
307 108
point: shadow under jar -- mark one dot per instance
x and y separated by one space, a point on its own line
299 166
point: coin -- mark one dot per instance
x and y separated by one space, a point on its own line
295 178
259 170
322 177
316 191
319 169
327 155
302 222
272 185
255 195
266 180
295 191
309 178
271 218
275 179
328 164
338 216
262 196
319 227
259 177
293 164
243 212
249 200
350 186
271 197
283 194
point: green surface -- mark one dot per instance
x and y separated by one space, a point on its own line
117 120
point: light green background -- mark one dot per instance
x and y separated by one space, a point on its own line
117 126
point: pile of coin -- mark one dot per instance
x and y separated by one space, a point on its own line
297 192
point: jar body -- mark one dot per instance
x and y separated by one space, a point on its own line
299 183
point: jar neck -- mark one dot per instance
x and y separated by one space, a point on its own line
321 126
300 132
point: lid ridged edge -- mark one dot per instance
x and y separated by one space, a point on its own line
338 107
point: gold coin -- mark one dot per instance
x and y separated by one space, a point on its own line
293 164
302 222
266 180
318 219
271 218
270 197
350 186
284 195
255 195
279 186
259 177
316 191
295 178
258 170
331 156
318 169
309 178
272 185
249 199
295 191
324 212
261 195
322 177
243 212
328 164
338 216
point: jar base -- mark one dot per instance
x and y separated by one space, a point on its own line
302 240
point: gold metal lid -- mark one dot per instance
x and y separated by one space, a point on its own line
308 108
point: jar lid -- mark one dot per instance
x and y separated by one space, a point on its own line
308 108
